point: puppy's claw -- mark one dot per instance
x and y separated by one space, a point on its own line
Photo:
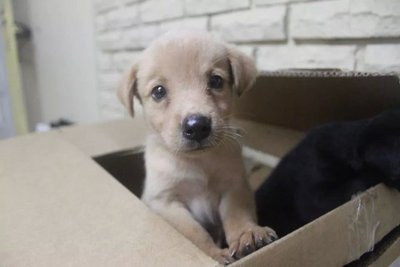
222 256
252 239
233 253
260 243
273 237
247 249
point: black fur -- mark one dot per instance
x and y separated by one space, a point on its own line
331 164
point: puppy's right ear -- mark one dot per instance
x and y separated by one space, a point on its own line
127 89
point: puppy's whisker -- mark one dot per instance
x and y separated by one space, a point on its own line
235 128
230 137
231 143
232 131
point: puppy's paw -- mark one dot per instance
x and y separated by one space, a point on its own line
251 240
222 256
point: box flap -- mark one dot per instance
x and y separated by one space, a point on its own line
104 138
59 208
304 99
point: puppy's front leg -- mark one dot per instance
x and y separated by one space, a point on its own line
237 210
179 217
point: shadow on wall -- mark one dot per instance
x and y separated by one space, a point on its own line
27 64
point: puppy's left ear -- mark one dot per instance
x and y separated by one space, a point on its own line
243 70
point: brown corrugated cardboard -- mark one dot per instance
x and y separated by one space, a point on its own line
336 238
59 207
302 99
104 138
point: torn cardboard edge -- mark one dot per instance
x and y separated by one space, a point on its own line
336 238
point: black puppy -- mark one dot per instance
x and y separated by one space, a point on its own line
331 164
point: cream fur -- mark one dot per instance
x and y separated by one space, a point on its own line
196 190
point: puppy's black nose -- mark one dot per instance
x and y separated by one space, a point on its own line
196 127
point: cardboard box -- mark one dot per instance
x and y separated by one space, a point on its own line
61 206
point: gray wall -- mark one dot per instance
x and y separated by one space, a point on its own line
58 63
27 66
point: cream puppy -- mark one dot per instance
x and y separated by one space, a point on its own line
195 176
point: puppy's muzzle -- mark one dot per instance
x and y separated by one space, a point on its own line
196 127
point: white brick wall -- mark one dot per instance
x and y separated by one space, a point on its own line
380 57
139 37
272 2
110 40
346 19
104 5
362 35
116 19
201 7
122 61
261 24
195 24
277 57
158 10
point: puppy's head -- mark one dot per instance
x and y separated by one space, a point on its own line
186 85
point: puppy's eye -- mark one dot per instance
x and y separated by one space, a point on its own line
215 82
158 93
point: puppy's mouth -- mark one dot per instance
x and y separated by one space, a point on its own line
195 146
